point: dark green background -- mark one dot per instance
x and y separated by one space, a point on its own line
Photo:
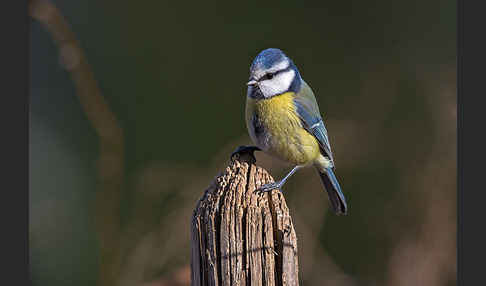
174 73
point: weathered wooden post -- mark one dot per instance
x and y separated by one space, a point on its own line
239 236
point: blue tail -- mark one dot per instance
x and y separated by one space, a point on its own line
334 192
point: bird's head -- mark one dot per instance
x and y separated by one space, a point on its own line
272 73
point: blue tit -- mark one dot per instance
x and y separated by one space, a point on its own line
284 121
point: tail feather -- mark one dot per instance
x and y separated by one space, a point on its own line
336 196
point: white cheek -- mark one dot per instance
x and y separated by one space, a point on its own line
277 85
285 79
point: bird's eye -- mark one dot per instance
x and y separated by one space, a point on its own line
269 76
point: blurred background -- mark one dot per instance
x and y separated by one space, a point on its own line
110 200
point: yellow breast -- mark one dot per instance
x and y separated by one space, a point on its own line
283 135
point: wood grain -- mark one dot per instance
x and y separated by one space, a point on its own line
239 236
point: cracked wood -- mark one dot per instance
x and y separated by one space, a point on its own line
240 237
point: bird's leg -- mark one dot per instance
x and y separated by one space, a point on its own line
277 185
250 150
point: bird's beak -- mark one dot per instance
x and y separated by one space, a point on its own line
251 82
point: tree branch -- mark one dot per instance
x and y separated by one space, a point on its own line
103 120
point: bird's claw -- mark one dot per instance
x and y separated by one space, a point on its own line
268 187
249 150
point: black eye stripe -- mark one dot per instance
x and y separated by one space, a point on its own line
268 76
272 75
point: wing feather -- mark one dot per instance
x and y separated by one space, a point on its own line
308 111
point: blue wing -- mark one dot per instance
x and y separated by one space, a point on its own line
308 111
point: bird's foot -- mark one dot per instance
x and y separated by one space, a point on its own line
246 150
269 187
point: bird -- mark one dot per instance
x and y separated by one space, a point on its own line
284 121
